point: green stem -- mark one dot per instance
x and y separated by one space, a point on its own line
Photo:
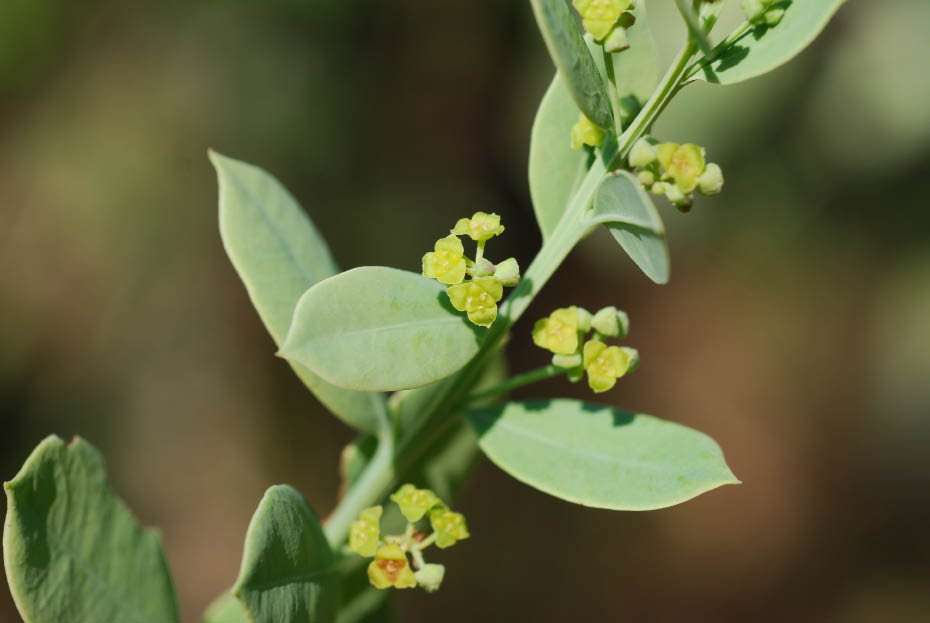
612 90
533 376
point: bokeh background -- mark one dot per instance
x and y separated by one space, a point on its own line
795 330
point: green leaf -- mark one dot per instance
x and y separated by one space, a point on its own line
375 328
288 569
636 69
762 48
572 58
555 169
73 551
697 34
598 456
225 609
622 204
279 254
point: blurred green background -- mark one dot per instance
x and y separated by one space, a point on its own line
795 330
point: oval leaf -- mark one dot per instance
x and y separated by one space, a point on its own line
288 569
598 456
571 56
279 254
622 204
374 328
764 48
73 551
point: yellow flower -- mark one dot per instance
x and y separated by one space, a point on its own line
447 262
599 16
449 526
414 502
479 298
365 533
586 133
559 332
604 364
479 227
391 568
683 163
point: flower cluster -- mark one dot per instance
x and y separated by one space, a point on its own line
563 333
763 12
607 21
390 565
479 294
675 171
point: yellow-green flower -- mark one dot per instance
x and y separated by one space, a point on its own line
599 16
415 502
604 364
479 298
365 533
683 163
429 577
391 568
447 262
480 226
586 133
559 332
449 526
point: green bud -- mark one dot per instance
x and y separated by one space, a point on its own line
429 577
604 365
478 298
365 533
449 526
659 188
415 502
586 133
611 322
480 226
646 177
508 272
633 356
616 41
773 16
559 332
599 16
584 319
566 361
682 163
447 262
575 374
753 8
484 268
643 154
391 568
711 180
674 194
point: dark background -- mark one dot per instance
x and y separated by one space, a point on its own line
795 330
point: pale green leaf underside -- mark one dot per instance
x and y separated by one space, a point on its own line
279 255
73 552
572 58
225 609
636 69
598 456
763 49
375 328
288 570
622 204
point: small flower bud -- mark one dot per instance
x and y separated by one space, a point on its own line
365 533
413 502
659 188
559 332
391 568
429 577
753 8
449 526
633 356
674 194
478 298
599 16
616 41
773 16
586 133
480 226
566 361
643 154
710 181
575 374
584 319
508 272
611 322
484 268
646 177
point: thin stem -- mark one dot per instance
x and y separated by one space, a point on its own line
479 254
533 376
612 89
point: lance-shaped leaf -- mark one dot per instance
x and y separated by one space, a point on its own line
375 328
598 456
622 204
288 569
572 58
73 551
279 254
762 48
225 609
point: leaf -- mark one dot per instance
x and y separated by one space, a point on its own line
573 60
764 48
622 204
598 456
288 569
73 551
374 328
636 70
694 27
555 169
225 609
279 254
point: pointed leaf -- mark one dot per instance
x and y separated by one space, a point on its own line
288 569
623 205
375 328
73 551
279 254
573 60
598 456
762 48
